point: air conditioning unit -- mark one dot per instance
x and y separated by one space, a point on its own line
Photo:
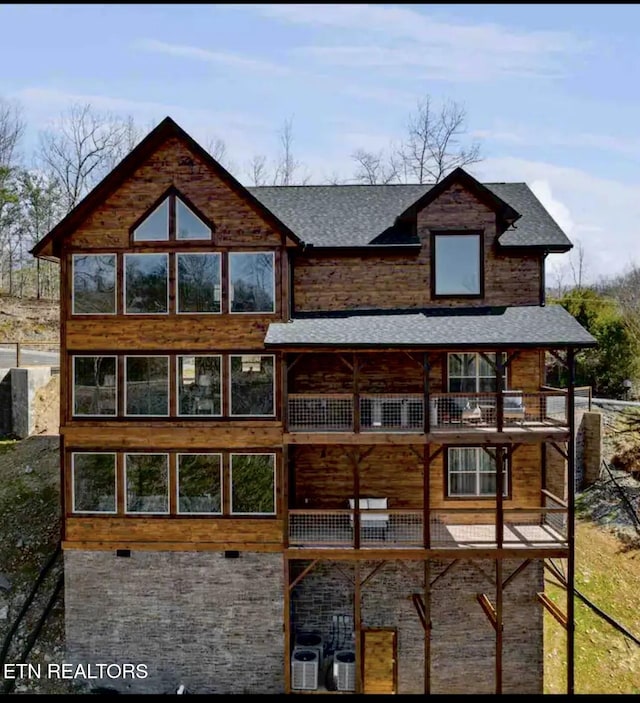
310 640
304 669
344 670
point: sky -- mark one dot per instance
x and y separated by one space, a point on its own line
551 91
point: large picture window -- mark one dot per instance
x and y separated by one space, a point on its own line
252 282
198 283
252 384
200 483
94 482
146 278
253 484
147 385
457 265
147 483
471 472
470 372
199 385
94 284
94 385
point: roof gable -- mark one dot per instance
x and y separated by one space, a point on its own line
48 246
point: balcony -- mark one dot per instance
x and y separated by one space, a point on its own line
448 412
455 528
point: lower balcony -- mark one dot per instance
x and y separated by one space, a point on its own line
460 528
448 412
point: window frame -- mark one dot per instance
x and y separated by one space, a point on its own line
275 484
221 468
73 287
230 283
125 382
171 194
219 254
124 282
74 414
73 485
434 234
178 413
477 376
126 511
230 413
506 493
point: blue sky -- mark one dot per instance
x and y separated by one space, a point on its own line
550 90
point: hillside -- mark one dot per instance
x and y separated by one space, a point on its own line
28 319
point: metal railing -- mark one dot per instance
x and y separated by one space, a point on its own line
27 353
391 412
327 412
582 395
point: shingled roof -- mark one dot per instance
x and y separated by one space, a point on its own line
523 326
361 215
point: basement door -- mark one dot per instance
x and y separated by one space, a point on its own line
379 661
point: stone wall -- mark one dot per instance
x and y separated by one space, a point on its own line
196 618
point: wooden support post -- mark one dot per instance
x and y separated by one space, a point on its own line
499 626
287 626
357 624
543 470
285 469
571 491
426 498
425 379
356 393
488 608
499 496
356 499
427 628
284 370
499 389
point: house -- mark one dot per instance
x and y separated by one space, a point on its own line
304 440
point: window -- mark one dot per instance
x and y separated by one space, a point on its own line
94 385
198 283
199 385
200 483
252 385
251 282
253 484
146 289
171 220
457 264
471 472
94 482
472 373
147 482
147 385
94 284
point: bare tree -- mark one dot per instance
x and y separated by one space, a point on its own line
287 169
11 131
83 147
258 173
578 265
375 168
432 148
217 147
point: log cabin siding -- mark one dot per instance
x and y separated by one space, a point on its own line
403 281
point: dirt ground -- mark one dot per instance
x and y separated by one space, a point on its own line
46 408
28 319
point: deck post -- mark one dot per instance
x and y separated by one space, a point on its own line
571 492
499 625
356 393
287 625
426 411
427 626
357 626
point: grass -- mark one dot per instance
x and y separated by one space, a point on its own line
608 574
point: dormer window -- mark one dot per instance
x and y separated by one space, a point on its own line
456 264
170 220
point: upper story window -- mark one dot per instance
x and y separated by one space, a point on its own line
198 283
456 264
252 282
172 219
94 284
146 284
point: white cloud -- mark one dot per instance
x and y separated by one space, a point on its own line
401 37
215 57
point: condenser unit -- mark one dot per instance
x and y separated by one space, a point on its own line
311 640
304 669
344 670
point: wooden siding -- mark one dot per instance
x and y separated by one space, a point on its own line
403 281
324 478
212 531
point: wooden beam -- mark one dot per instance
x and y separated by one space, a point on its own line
415 451
346 576
372 573
426 498
296 359
418 604
344 361
515 573
499 627
478 568
426 408
435 454
571 507
302 574
443 573
427 630
511 358
552 608
410 574
287 626
356 393
357 625
488 608
562 453
411 357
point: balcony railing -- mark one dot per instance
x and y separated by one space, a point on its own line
454 528
335 412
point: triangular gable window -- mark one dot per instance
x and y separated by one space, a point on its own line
172 220
155 227
188 224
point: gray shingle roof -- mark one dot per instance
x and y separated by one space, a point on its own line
358 215
513 326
